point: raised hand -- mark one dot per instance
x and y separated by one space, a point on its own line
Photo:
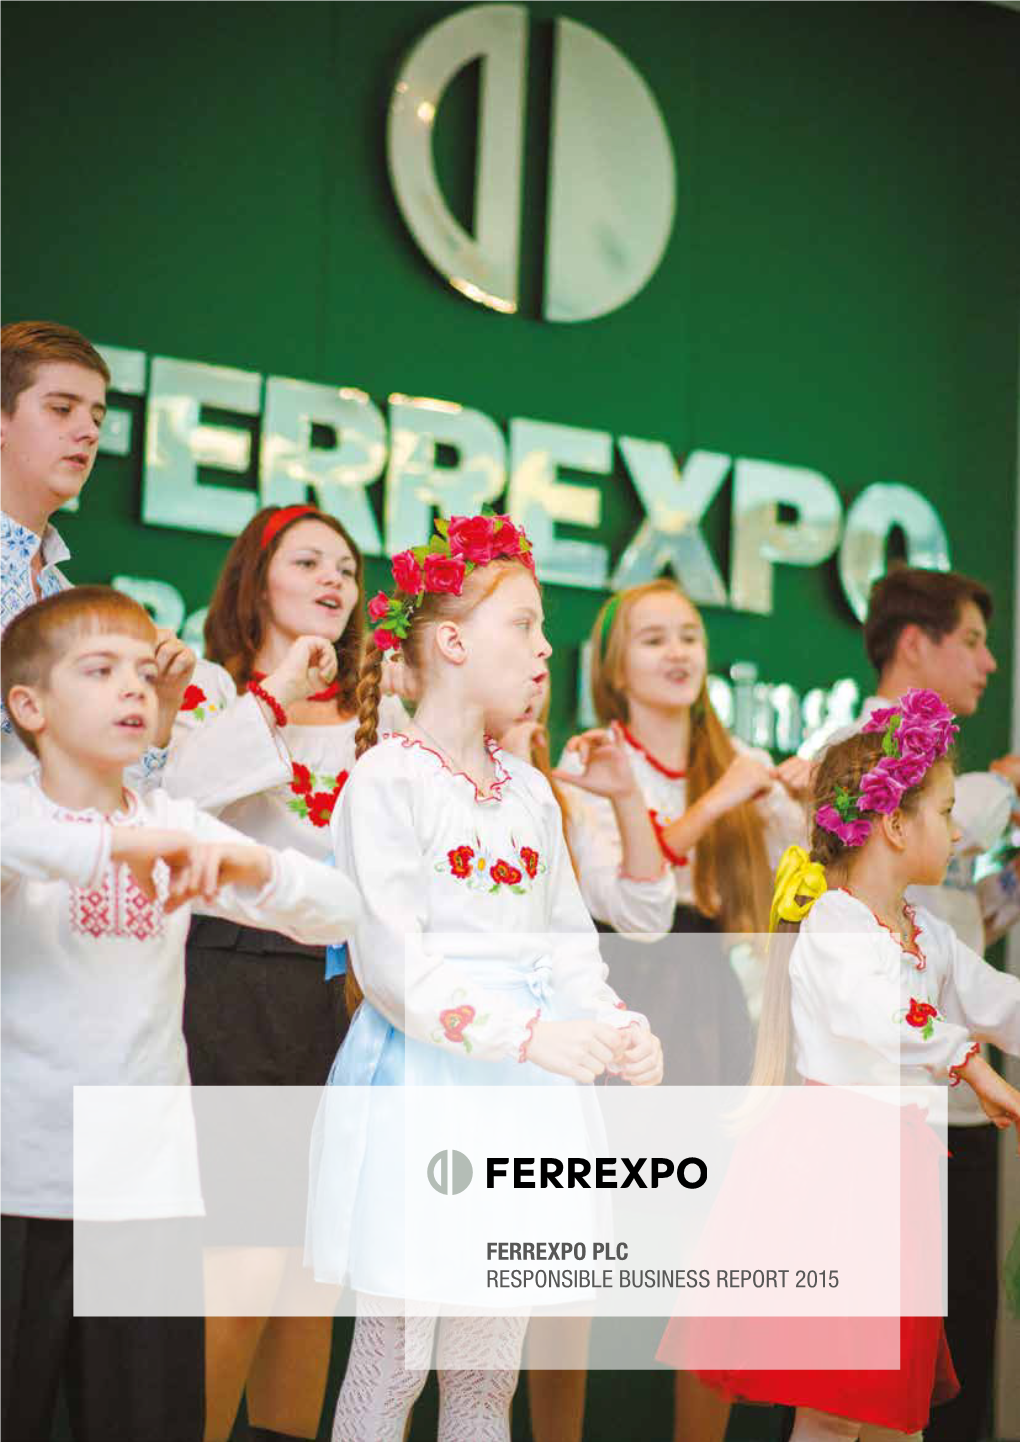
397 679
520 738
999 1101
580 1049
175 664
141 847
213 864
603 755
193 867
797 776
744 779
309 666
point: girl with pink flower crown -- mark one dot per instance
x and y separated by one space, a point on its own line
905 1004
447 836
265 739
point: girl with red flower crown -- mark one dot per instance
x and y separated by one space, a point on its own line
864 991
476 964
265 739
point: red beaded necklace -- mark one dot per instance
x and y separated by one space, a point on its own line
333 689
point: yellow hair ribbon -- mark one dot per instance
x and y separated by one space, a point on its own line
796 875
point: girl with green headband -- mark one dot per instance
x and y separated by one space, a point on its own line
722 815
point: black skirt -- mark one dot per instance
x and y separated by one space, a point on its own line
257 1011
688 990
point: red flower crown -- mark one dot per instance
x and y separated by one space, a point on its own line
439 568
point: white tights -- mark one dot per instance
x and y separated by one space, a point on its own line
812 1426
478 1359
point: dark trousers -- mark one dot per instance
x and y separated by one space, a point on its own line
973 1177
126 1379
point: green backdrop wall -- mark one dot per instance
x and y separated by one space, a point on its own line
208 182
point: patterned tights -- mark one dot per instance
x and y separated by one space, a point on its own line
477 1359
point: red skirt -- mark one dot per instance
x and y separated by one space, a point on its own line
900 1398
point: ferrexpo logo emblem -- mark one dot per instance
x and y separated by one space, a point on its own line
611 193
449 1172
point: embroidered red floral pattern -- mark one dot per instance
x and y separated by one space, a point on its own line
460 859
659 824
922 1015
315 795
195 700
455 1020
483 872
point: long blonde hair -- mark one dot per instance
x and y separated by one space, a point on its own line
732 877
843 765
434 608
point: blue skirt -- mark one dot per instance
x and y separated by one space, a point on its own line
356 1203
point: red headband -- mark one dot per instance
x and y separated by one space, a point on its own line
283 517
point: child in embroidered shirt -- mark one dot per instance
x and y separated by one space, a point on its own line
265 740
93 983
447 834
906 1003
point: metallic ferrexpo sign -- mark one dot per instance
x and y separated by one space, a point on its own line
780 514
611 189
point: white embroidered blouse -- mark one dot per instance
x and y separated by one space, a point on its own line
93 988
452 881
665 791
869 1010
278 786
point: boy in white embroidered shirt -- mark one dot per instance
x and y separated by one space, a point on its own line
92 996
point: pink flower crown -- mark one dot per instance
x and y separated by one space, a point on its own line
461 544
919 730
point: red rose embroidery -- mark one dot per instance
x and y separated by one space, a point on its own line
320 807
470 538
530 859
503 872
460 860
920 1013
407 573
378 606
444 575
339 783
454 1020
301 779
193 696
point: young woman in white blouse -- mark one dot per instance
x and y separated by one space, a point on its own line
722 813
477 965
263 741
868 992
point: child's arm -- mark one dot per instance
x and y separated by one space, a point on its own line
224 746
39 848
1000 1101
624 878
259 886
984 1000
402 971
